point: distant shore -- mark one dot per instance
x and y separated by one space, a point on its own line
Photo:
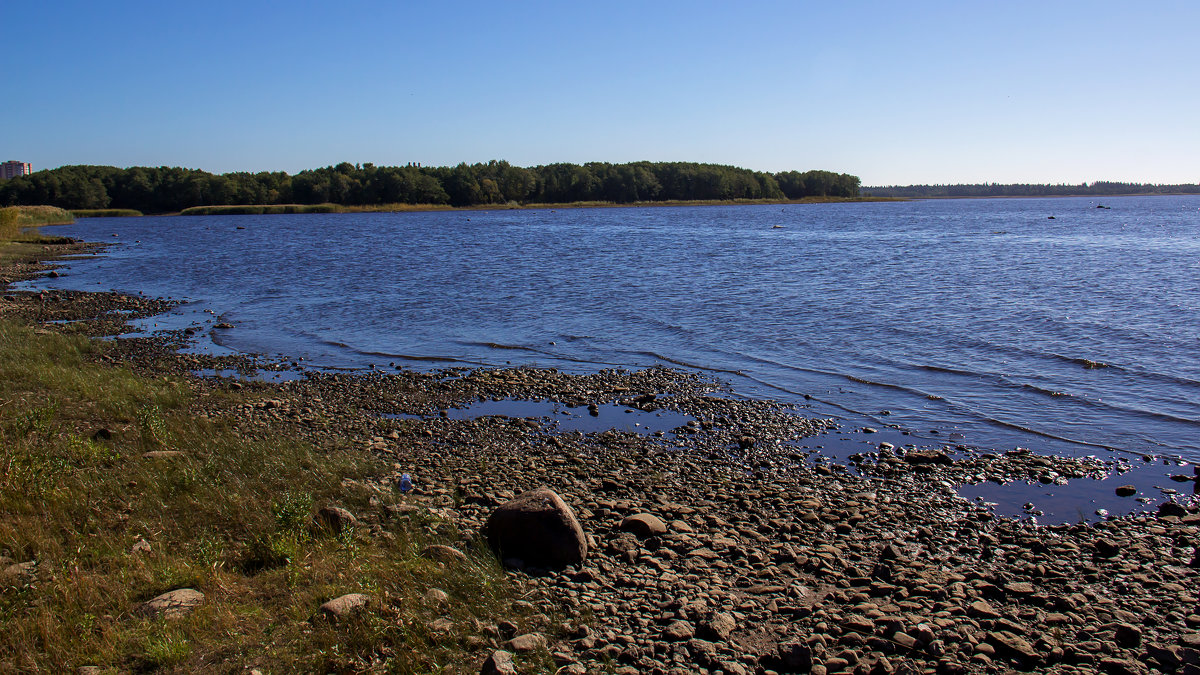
254 209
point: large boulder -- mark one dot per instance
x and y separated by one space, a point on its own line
537 528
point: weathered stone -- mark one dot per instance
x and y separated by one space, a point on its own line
1020 588
644 525
334 519
173 604
717 627
1115 666
1126 491
529 642
983 610
538 528
1167 656
443 553
796 656
905 640
1013 646
1106 548
499 662
1128 635
435 596
343 606
678 631
16 574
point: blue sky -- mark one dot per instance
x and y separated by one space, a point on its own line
896 93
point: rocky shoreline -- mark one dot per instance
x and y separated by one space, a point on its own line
756 559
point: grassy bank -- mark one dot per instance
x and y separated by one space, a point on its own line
19 239
105 213
117 486
15 218
227 516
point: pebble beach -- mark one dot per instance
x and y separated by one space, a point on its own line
714 542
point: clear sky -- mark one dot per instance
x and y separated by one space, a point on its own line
894 92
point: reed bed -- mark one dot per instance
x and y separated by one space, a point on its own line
259 209
14 219
105 213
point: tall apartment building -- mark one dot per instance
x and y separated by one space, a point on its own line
12 169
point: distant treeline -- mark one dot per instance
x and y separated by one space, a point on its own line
1099 188
170 189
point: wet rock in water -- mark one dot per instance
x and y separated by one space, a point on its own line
928 457
1171 509
334 519
1126 491
343 606
172 604
644 525
539 529
499 662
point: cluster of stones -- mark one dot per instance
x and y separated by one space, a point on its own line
719 548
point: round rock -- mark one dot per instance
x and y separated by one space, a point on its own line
538 528
644 525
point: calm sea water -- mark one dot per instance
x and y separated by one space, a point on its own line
969 320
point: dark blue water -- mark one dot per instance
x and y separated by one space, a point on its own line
974 319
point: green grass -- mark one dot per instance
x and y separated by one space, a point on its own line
228 517
105 213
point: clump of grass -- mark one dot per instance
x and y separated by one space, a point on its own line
228 516
105 213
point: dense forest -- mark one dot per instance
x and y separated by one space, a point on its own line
1099 188
170 189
